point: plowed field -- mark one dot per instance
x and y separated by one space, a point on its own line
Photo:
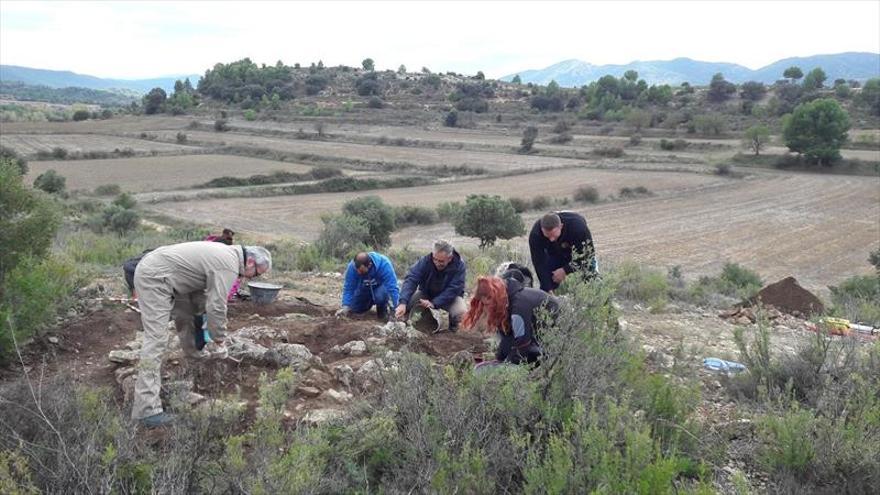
158 172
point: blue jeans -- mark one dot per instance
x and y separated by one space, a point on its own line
365 297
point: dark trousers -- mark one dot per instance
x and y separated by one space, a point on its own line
365 297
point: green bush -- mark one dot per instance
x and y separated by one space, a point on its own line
343 235
448 211
29 220
609 151
540 203
51 181
33 294
636 283
586 194
451 119
817 130
250 115
108 190
488 218
858 299
519 204
377 216
414 215
678 144
11 156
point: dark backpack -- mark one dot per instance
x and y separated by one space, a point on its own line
129 267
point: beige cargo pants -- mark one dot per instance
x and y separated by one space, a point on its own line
158 303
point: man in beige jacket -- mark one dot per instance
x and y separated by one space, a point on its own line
184 279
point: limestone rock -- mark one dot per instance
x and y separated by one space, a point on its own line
355 348
259 332
344 374
242 348
309 391
337 396
369 374
319 416
296 356
124 357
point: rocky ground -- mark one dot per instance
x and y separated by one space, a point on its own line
341 361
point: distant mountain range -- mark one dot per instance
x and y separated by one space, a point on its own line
66 79
572 73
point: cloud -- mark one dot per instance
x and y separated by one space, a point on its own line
145 39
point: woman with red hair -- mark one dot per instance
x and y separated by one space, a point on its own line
510 309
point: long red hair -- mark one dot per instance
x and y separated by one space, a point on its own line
495 290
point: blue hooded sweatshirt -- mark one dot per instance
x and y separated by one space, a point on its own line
381 273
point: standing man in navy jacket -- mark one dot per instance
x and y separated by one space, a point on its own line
369 280
436 281
560 244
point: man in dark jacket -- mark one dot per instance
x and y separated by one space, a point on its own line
436 281
525 306
560 244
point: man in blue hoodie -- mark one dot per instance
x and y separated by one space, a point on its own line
436 281
369 280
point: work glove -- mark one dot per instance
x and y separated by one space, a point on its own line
343 312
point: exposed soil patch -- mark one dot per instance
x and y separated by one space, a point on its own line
787 295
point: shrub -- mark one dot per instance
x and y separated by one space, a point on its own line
519 204
540 202
81 115
378 217
488 218
51 182
609 151
451 119
120 220
724 169
108 190
858 299
181 138
59 153
125 201
635 139
250 115
634 192
561 138
530 133
414 215
34 292
448 211
221 125
639 284
375 102
29 219
11 156
817 130
343 235
710 124
743 281
678 144
586 194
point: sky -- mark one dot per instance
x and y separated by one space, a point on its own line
134 40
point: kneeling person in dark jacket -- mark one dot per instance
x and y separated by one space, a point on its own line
512 310
436 281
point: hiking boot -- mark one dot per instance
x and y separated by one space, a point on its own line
453 323
382 313
157 420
